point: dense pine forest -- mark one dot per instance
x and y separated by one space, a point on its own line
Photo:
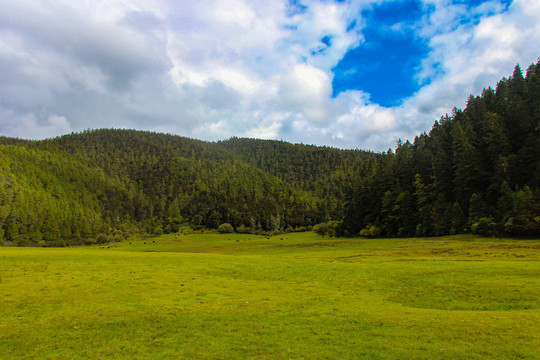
103 185
477 170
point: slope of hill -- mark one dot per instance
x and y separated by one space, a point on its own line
126 180
478 170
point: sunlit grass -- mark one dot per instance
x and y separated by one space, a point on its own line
291 296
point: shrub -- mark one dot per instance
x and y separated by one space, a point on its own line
370 231
523 225
90 241
486 226
102 239
328 228
225 228
157 230
242 229
321 228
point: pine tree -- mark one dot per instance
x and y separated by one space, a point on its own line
466 162
424 206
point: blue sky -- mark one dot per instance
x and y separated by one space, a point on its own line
384 65
350 73
386 62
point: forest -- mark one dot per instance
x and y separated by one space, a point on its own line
477 170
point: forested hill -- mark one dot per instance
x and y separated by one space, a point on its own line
323 171
477 170
104 184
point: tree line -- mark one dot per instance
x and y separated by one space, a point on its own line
477 170
103 185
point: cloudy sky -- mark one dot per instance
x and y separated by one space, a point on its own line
351 74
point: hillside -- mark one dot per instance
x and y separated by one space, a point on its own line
95 185
477 170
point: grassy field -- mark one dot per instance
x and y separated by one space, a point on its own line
293 296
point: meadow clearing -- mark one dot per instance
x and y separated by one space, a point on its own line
291 296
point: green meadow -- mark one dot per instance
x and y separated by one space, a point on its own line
291 296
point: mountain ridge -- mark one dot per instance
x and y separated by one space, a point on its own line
155 182
477 170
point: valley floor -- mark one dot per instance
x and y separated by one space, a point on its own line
291 296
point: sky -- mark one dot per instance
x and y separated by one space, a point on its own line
348 74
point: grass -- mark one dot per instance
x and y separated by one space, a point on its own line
293 296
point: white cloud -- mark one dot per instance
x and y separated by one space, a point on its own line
269 128
323 19
307 90
311 81
234 12
471 57
214 68
30 126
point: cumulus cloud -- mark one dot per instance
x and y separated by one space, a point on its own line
33 127
306 90
471 57
218 68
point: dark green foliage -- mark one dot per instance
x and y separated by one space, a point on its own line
330 228
321 229
477 170
485 226
72 189
326 173
458 219
46 199
371 231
